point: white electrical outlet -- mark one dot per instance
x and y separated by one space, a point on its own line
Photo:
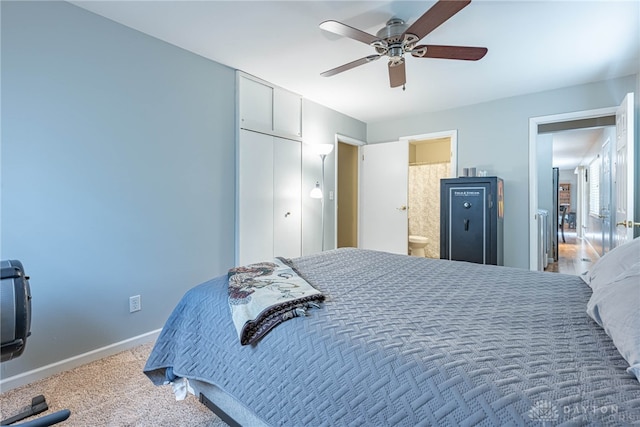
134 303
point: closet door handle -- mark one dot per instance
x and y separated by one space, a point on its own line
402 208
287 214
466 225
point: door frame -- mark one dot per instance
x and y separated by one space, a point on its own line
534 122
351 141
452 135
453 153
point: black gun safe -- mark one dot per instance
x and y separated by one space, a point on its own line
471 219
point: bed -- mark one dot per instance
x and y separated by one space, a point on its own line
407 341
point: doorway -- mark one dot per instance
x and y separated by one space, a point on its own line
347 178
384 191
429 162
536 176
581 159
347 197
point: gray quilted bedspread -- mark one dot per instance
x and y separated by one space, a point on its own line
413 342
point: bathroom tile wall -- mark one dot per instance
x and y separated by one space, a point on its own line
424 203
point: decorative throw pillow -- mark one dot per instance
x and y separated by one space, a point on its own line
616 307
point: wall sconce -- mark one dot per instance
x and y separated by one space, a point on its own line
318 191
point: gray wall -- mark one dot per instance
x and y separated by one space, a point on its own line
117 175
495 136
319 126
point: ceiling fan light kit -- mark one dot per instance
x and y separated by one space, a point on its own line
396 39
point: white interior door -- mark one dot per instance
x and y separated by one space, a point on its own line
383 197
624 171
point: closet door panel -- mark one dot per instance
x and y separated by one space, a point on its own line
287 213
287 112
255 196
256 105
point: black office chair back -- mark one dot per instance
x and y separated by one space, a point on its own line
15 327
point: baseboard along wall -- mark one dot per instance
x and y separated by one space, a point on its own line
29 377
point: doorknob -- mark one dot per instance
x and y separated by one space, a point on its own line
287 214
402 208
628 224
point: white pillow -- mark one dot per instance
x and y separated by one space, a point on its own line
612 264
616 307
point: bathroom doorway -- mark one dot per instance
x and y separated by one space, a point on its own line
347 204
430 160
347 178
386 227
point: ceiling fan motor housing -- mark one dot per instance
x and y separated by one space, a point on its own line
392 31
393 40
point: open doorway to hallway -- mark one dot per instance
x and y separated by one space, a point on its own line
623 174
581 191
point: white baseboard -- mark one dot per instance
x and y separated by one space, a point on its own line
10 383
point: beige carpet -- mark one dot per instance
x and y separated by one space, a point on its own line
110 392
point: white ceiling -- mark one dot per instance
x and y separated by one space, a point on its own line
572 148
533 46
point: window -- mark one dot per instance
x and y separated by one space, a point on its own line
594 187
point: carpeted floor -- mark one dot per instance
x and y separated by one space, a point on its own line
111 392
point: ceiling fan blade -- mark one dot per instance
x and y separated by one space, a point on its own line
347 31
350 65
397 74
434 17
465 53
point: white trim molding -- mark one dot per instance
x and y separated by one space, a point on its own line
29 377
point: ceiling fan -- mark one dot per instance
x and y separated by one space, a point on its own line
396 39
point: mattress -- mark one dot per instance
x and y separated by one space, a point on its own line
410 341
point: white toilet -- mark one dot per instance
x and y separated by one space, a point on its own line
417 245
